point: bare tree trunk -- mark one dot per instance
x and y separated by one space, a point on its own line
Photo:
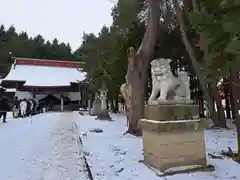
227 98
136 77
201 108
233 109
116 107
228 108
220 109
196 64
136 104
234 87
112 104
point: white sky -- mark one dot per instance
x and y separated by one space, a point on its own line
64 19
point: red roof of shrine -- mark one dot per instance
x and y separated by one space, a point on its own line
45 62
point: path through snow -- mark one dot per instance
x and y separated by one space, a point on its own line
43 150
113 156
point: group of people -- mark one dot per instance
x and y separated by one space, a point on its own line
25 107
22 107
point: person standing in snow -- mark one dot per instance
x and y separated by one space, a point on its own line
15 107
4 107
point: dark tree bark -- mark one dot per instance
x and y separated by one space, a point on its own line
227 99
137 72
201 108
235 87
215 94
232 105
148 84
116 108
230 79
111 105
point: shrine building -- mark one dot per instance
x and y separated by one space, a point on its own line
60 81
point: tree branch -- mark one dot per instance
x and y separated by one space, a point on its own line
150 37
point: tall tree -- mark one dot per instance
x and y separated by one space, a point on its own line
137 73
207 78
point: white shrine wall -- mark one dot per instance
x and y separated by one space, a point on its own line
73 96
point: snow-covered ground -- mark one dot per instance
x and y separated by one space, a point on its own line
42 150
114 156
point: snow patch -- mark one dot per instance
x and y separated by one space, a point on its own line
45 149
115 156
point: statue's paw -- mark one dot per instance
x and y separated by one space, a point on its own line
151 99
161 99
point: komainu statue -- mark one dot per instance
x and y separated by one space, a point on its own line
170 87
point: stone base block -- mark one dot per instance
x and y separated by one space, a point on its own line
93 114
166 112
104 115
182 170
170 144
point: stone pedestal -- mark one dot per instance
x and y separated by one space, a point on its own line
103 114
96 107
165 112
173 136
171 144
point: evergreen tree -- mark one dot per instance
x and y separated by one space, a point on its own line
21 45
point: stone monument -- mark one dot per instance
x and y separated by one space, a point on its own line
96 105
173 134
103 114
103 98
89 103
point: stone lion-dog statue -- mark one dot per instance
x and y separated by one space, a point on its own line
170 87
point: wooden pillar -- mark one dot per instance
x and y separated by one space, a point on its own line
89 106
84 99
62 103
17 88
80 93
